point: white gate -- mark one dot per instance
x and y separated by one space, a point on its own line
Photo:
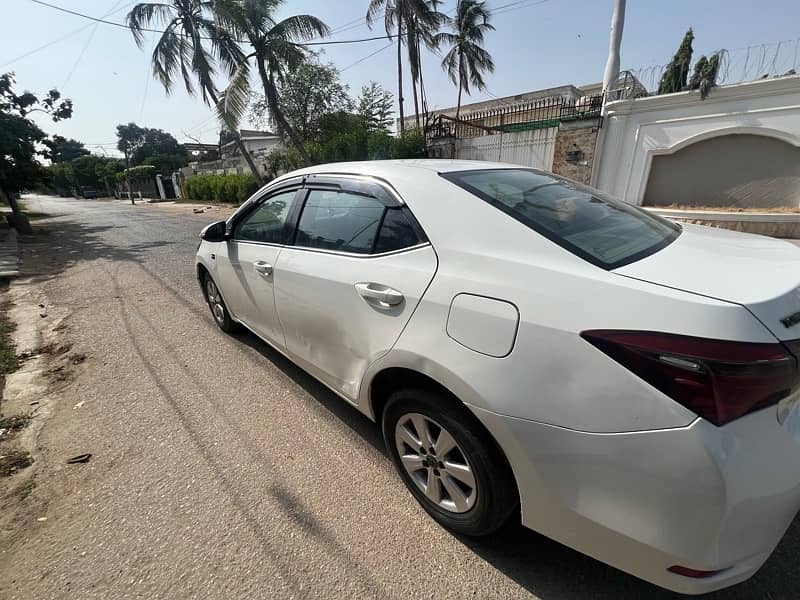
533 148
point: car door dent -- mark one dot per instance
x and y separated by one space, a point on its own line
329 328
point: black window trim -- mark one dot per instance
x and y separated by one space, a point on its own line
253 204
260 196
454 178
360 185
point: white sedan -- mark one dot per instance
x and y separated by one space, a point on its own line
533 349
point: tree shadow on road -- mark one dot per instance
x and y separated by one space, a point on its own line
59 245
335 405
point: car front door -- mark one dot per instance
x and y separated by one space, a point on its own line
257 238
347 285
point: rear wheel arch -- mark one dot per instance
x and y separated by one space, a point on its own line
392 379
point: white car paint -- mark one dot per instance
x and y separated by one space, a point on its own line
603 461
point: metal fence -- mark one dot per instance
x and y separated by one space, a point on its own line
539 114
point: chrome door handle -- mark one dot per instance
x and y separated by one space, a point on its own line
263 268
379 295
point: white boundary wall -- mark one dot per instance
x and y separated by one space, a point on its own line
634 131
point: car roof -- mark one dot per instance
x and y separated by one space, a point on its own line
385 168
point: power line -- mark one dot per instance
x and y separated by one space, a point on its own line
370 55
86 45
123 26
504 8
146 85
59 39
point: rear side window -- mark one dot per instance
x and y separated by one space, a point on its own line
341 221
396 232
606 232
355 223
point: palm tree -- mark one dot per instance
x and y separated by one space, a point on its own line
394 19
467 60
181 49
422 25
275 49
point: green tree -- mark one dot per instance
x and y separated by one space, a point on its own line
166 163
467 60
676 72
129 138
704 76
275 51
374 106
21 141
182 49
139 144
307 93
64 149
62 178
107 172
84 169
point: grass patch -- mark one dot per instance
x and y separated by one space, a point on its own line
15 422
32 214
8 357
12 461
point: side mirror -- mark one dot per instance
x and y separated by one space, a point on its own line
214 232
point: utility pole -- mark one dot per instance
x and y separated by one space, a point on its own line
127 177
612 66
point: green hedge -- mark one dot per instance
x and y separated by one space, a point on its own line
220 188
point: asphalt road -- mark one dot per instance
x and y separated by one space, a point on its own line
220 470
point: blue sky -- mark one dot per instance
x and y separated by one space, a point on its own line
538 44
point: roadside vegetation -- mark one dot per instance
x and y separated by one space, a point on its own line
8 357
220 188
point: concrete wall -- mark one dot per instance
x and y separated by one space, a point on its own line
635 132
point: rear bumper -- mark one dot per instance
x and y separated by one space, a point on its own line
699 496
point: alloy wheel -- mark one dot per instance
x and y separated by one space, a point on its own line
435 463
215 301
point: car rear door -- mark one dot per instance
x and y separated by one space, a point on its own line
257 239
351 278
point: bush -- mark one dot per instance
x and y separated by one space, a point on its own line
220 188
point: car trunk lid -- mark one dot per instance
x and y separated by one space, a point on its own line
760 273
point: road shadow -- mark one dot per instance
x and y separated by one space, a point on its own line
60 244
336 406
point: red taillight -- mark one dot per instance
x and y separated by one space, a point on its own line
693 573
716 379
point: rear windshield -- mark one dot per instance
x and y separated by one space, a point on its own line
606 232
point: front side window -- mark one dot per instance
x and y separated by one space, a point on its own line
606 232
267 222
341 221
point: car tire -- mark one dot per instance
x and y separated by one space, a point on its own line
430 474
219 310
